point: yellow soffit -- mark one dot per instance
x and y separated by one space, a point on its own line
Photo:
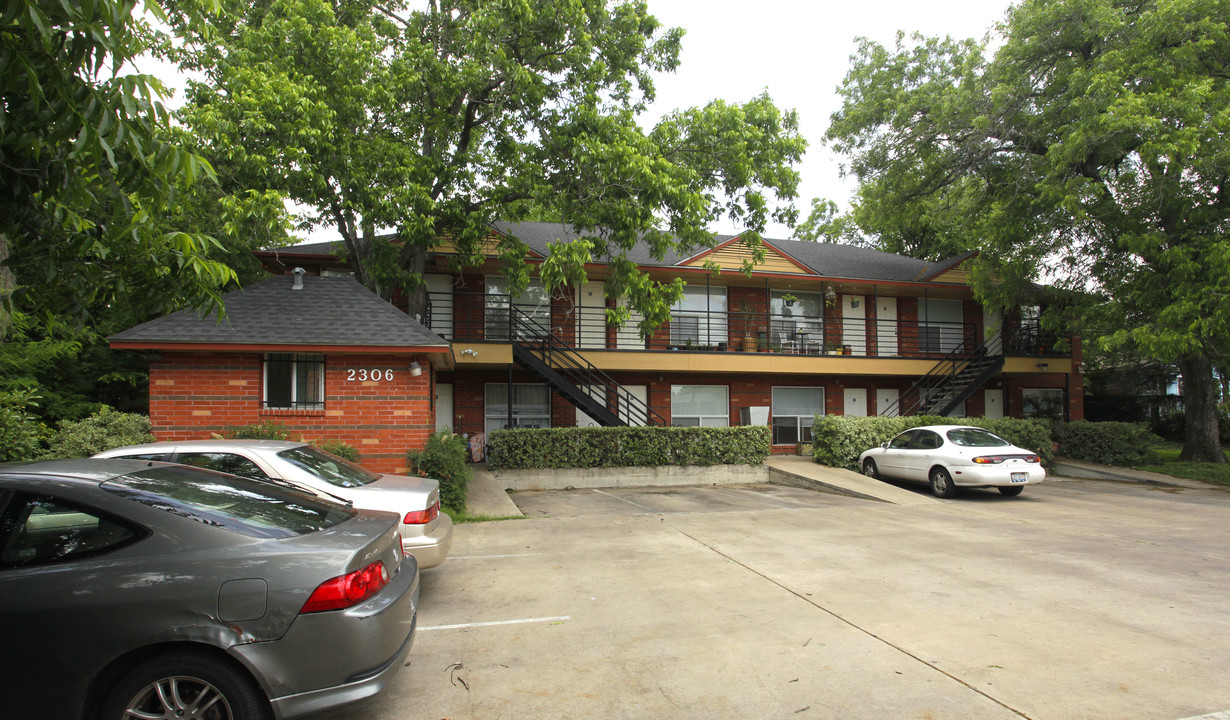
732 254
490 247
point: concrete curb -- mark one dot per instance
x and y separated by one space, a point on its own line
1093 471
803 472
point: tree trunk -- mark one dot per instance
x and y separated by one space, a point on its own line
414 258
1202 442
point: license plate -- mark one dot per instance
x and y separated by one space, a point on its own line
1020 477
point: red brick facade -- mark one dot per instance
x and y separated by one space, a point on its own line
194 395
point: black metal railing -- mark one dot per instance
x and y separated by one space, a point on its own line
483 316
583 380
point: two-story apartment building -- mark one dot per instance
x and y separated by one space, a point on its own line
816 328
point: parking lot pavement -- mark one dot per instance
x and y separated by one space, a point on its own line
672 500
1078 599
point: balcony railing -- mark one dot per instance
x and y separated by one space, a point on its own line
481 316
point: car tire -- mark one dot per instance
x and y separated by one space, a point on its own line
187 684
1011 490
870 469
941 483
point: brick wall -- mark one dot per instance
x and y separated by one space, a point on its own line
193 395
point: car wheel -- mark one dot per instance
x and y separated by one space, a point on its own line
941 483
870 469
1011 491
186 685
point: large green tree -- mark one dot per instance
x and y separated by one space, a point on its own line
435 119
106 216
1092 149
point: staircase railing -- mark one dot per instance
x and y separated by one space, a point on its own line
933 387
529 333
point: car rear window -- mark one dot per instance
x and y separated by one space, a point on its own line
329 467
973 437
243 505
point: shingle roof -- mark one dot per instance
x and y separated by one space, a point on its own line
825 259
327 311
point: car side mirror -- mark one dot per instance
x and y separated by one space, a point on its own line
884 445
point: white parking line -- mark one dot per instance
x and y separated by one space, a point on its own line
491 557
561 618
1220 715
646 509
757 497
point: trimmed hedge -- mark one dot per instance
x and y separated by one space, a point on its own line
105 429
1109 443
593 447
838 440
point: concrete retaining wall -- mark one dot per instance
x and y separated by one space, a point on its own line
663 476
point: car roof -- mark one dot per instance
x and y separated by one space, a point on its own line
85 470
211 444
946 428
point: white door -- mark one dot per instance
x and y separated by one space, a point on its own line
629 336
886 402
854 324
992 326
444 406
596 392
591 315
993 404
440 294
637 415
856 402
886 326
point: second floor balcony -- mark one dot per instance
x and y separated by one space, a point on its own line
485 317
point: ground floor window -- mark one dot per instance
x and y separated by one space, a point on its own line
531 406
794 410
294 381
700 406
1042 403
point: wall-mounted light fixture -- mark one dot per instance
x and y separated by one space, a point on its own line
415 369
470 352
1043 366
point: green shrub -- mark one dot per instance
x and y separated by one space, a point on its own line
838 440
339 448
21 434
103 430
593 447
267 430
1109 443
444 458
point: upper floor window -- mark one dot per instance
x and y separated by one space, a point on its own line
699 318
294 381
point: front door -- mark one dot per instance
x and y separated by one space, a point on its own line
886 326
444 406
591 315
886 402
854 325
856 402
993 404
636 413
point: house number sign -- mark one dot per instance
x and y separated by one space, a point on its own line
365 374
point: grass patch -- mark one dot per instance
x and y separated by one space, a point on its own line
460 517
1165 460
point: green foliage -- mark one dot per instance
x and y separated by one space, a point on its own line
444 458
1173 425
1090 147
1109 443
103 430
437 120
627 447
838 440
339 448
264 430
21 434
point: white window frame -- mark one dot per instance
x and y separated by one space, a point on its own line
803 422
303 389
702 419
495 414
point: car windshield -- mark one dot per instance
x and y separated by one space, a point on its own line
973 437
329 467
243 505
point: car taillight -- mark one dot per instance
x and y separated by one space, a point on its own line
422 517
989 460
1032 458
347 590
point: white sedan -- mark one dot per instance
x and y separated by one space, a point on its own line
427 533
953 456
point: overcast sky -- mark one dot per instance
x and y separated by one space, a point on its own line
800 51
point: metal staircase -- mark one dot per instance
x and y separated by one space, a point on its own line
565 371
951 381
